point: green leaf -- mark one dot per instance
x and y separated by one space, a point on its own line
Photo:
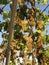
22 13
5 15
17 28
0 27
3 1
38 1
47 53
6 25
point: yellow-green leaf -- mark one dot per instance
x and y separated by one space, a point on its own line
39 31
45 1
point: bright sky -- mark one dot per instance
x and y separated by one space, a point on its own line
39 6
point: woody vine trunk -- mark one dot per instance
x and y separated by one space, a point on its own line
11 28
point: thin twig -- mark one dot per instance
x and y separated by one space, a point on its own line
45 8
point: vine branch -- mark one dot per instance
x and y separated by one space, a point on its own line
45 8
